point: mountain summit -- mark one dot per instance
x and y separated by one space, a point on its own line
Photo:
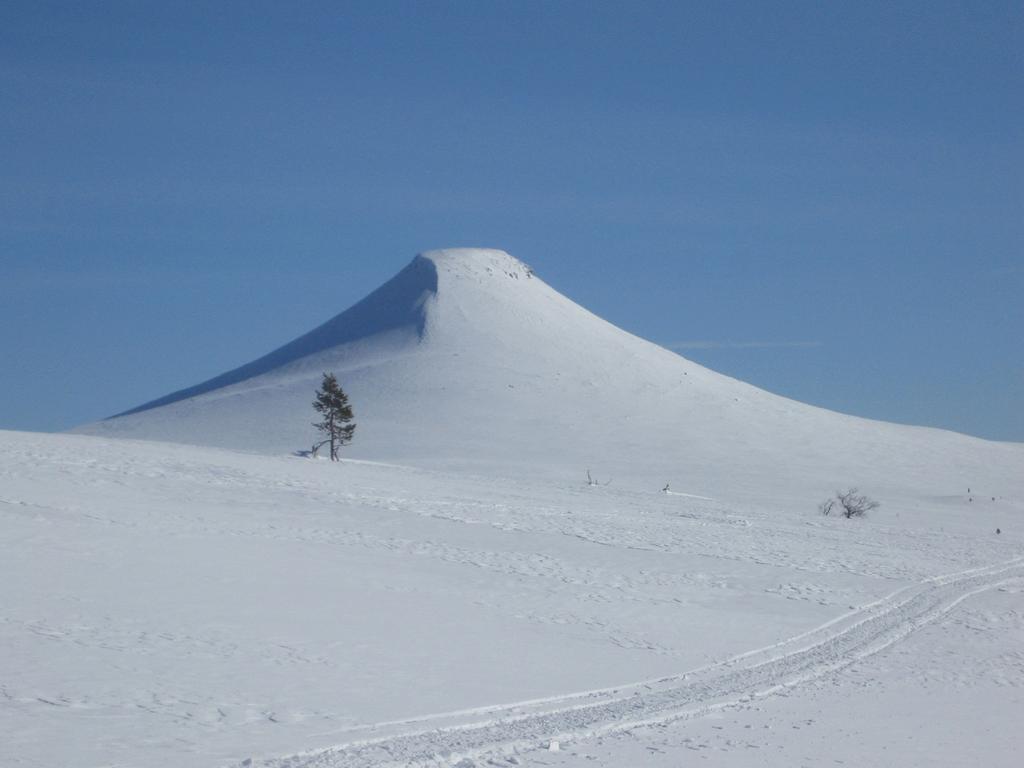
398 309
467 359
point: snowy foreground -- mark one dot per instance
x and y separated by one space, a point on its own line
455 593
170 605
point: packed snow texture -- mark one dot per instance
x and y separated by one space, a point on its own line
456 593
166 605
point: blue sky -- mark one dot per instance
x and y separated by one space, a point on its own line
824 199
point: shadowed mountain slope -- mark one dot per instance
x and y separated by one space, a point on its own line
396 305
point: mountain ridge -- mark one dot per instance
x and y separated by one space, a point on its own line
467 359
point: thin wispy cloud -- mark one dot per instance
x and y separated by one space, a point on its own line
681 345
1012 269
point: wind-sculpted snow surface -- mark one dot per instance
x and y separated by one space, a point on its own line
167 605
502 731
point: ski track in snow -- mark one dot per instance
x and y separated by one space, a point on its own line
600 568
166 604
504 730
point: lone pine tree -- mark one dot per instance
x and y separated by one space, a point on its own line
332 403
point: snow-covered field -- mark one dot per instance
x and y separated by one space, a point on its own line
454 592
167 605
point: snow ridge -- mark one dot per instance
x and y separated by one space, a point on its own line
398 304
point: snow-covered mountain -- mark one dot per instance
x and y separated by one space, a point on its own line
180 603
467 360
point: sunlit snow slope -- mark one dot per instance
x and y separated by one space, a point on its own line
172 606
466 359
166 604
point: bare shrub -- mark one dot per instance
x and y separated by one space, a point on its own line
851 503
855 504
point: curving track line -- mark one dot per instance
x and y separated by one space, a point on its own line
446 739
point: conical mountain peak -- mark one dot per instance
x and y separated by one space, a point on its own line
398 310
465 358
